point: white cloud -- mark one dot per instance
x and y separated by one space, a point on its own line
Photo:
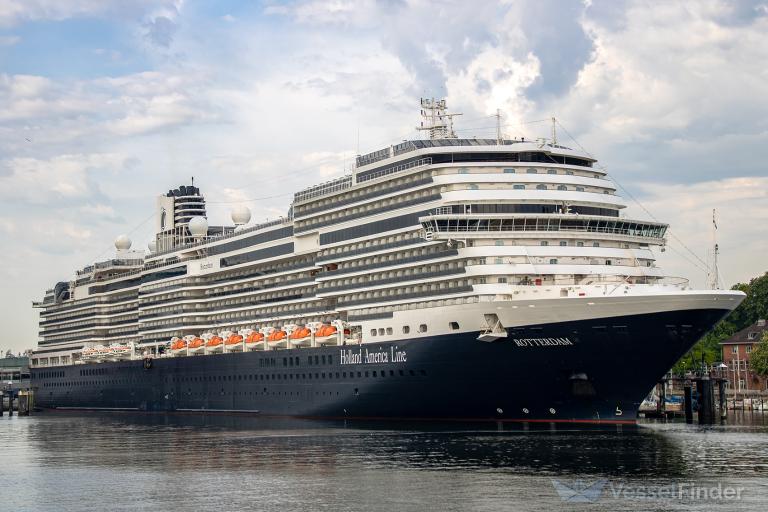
63 177
742 208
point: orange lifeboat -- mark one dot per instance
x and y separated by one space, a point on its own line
301 332
234 340
254 337
178 345
276 336
215 341
325 331
196 343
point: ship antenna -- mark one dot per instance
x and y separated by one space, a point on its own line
713 277
436 120
554 131
498 127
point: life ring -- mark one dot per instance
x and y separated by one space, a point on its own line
147 363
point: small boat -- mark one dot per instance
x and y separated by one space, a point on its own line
178 345
234 343
277 338
300 336
214 344
196 345
254 340
326 335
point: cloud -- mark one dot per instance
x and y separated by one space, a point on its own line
13 12
741 204
9 40
62 178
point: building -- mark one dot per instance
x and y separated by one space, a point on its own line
14 372
736 352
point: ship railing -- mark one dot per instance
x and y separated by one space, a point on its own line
421 162
224 236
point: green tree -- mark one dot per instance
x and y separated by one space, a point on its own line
754 307
758 359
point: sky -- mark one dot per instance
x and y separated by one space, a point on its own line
105 104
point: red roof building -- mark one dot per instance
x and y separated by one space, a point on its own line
736 352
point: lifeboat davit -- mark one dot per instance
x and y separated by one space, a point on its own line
276 338
300 336
255 340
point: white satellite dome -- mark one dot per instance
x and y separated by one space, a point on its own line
122 243
152 246
241 215
198 226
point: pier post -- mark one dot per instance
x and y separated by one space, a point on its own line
706 400
723 401
10 404
688 403
2 403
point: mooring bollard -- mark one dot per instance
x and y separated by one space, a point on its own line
688 403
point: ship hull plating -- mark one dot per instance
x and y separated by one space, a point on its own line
586 370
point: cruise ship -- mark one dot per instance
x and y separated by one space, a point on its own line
444 278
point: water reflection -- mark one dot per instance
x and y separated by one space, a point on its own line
62 458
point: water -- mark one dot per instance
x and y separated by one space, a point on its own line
66 462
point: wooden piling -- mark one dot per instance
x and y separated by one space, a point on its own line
688 403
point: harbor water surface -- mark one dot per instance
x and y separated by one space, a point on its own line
115 461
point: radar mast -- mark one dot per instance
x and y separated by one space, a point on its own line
436 120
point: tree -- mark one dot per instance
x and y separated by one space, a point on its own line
758 359
754 307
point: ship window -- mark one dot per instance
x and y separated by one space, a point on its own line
373 332
595 244
608 262
473 187
389 330
406 329
579 244
579 189
509 171
541 187
381 331
499 242
544 242
563 243
323 359
366 374
454 326
531 171
553 261
569 173
423 328
374 373
562 187
551 171
518 187
502 280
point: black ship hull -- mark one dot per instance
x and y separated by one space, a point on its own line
596 370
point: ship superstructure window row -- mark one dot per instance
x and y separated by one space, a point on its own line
373 208
364 193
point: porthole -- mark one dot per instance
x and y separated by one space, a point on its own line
423 328
454 326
